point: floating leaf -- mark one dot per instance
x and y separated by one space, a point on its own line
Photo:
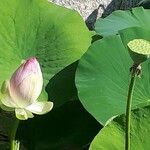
57 36
42 29
102 79
112 136
118 20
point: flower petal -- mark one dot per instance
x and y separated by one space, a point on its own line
22 114
4 107
40 107
4 87
5 95
7 101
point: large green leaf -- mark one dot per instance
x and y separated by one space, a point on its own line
58 37
55 35
68 127
103 76
118 20
112 136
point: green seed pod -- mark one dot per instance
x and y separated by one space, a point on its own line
139 50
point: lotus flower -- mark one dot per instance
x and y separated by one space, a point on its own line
21 92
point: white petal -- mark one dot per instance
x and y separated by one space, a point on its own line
28 91
22 114
30 115
4 87
4 107
40 107
5 95
7 101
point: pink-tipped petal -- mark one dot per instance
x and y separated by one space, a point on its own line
26 83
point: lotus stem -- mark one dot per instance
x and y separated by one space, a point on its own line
14 144
135 71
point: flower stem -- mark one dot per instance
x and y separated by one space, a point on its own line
14 144
128 110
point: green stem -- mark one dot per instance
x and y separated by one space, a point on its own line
128 111
14 144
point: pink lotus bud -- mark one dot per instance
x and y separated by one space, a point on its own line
26 83
24 88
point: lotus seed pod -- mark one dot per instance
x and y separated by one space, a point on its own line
139 50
